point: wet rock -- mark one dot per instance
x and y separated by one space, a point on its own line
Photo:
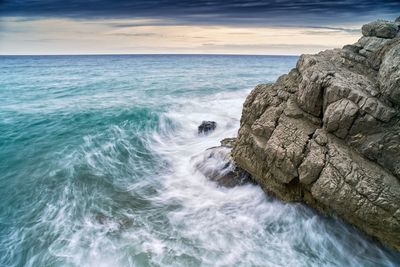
381 29
217 165
207 126
327 133
228 142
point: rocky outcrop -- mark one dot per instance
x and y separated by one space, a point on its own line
381 29
328 133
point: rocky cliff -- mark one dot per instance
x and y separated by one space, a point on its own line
328 132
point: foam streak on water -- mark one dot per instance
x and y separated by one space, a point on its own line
97 160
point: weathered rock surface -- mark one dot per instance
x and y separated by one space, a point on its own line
382 29
207 126
328 133
228 142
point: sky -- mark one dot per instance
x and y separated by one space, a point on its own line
277 27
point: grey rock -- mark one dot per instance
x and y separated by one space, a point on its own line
265 125
207 126
320 137
370 45
360 191
310 92
381 29
339 117
389 74
328 133
313 163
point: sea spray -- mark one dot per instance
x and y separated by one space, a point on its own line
96 169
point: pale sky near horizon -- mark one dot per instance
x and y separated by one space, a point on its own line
184 27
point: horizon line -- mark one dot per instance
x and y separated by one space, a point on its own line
151 54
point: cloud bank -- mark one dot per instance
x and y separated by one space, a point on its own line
184 26
245 12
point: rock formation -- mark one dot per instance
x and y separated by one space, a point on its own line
206 127
328 132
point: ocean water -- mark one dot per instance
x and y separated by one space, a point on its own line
97 158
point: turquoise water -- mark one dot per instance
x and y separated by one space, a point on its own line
97 158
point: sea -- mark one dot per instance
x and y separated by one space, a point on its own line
97 168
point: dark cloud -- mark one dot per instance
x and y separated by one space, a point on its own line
249 12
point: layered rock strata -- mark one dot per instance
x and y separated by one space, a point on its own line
328 132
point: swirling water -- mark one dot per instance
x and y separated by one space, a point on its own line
96 169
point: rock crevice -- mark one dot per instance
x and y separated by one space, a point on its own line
328 132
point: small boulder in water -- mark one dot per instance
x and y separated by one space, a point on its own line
217 165
207 126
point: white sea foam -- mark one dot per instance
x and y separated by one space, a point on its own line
241 226
114 209
188 220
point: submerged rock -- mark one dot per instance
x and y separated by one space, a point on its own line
328 133
217 165
207 126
